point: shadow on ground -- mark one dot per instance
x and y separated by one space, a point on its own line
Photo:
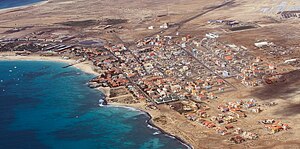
288 90
283 90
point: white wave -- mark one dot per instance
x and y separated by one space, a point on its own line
126 107
149 126
152 127
189 147
173 137
170 136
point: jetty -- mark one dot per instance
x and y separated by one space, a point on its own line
77 62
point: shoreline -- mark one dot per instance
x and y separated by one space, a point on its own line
87 68
150 122
15 8
84 66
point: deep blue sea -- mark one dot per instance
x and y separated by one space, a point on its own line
15 3
45 106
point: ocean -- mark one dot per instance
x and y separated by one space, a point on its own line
43 105
16 3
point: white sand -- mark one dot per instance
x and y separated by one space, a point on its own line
84 66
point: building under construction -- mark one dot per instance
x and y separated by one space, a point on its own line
290 14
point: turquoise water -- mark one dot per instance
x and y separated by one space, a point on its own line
16 3
45 106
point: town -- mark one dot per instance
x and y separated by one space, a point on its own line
215 74
184 72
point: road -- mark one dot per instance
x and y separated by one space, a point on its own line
182 22
188 52
131 81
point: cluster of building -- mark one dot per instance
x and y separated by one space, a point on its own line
229 60
173 70
16 45
189 77
233 25
114 69
224 122
224 22
164 68
241 136
274 126
157 69
25 47
238 106
272 50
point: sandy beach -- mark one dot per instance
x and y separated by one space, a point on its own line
84 66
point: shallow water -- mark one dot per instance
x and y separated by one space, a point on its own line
45 106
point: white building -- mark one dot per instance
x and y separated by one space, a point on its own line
261 44
212 35
165 25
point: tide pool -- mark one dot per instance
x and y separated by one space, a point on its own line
43 105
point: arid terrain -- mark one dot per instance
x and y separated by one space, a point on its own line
113 22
